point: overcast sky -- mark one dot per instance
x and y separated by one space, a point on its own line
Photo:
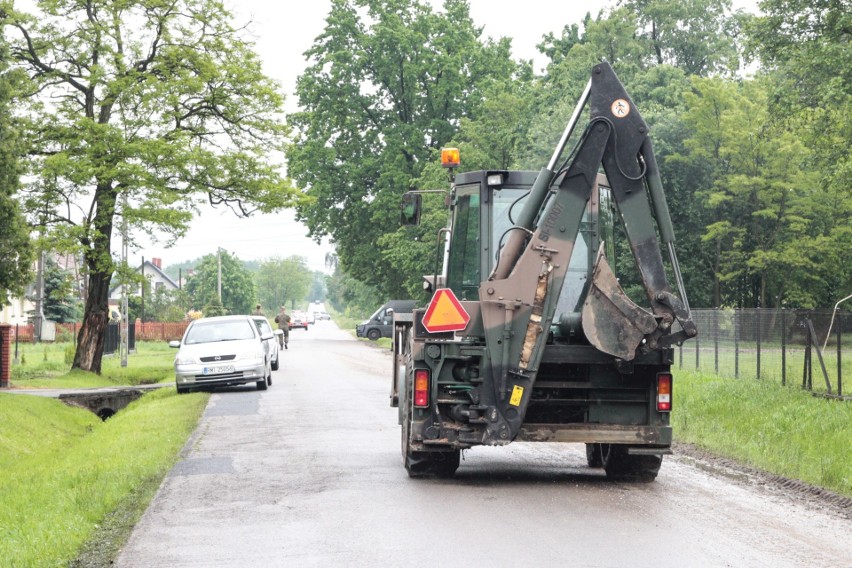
283 31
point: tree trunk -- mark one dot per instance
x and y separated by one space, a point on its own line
90 340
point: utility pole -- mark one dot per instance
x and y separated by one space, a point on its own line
142 307
38 317
124 322
219 257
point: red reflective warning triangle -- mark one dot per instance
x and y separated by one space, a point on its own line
445 313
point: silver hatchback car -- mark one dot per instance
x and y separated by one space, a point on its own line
222 351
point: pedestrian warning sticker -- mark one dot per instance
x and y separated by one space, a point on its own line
445 313
517 395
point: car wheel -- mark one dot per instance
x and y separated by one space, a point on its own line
182 390
374 335
621 466
261 385
594 455
275 364
269 380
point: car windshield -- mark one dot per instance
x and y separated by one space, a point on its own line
263 326
209 332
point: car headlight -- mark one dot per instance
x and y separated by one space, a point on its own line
253 354
184 361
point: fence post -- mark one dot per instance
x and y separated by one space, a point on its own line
5 352
783 347
807 365
716 340
757 314
697 346
839 359
737 343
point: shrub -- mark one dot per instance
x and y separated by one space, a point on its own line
70 351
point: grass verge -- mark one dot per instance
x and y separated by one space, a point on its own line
66 473
47 365
784 431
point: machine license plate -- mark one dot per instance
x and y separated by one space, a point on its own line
217 369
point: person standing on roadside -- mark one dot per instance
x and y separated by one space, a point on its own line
258 311
283 321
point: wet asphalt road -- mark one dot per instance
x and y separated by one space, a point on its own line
308 473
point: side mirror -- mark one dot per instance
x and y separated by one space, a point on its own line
174 343
409 209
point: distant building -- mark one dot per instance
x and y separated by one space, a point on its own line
153 271
19 309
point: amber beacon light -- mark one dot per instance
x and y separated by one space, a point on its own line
450 157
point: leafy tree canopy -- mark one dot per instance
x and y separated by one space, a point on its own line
237 284
16 251
283 282
140 110
60 300
387 84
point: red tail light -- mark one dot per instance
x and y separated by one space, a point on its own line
664 392
421 388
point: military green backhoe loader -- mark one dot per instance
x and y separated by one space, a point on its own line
529 336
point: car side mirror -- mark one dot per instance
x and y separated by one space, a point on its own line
174 344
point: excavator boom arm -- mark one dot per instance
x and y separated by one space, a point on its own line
518 301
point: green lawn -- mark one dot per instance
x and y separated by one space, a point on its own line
49 364
783 430
66 473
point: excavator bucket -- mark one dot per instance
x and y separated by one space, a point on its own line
612 322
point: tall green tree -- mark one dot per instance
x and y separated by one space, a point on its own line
806 46
237 283
166 305
696 36
16 251
355 298
60 300
283 282
764 198
387 84
140 111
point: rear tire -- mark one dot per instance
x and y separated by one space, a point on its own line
424 464
620 466
594 455
261 385
275 364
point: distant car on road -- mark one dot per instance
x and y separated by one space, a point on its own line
298 319
222 351
323 316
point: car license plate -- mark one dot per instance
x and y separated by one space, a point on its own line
217 369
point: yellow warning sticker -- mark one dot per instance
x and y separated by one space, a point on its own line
517 395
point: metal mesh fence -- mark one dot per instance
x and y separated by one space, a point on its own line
773 345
